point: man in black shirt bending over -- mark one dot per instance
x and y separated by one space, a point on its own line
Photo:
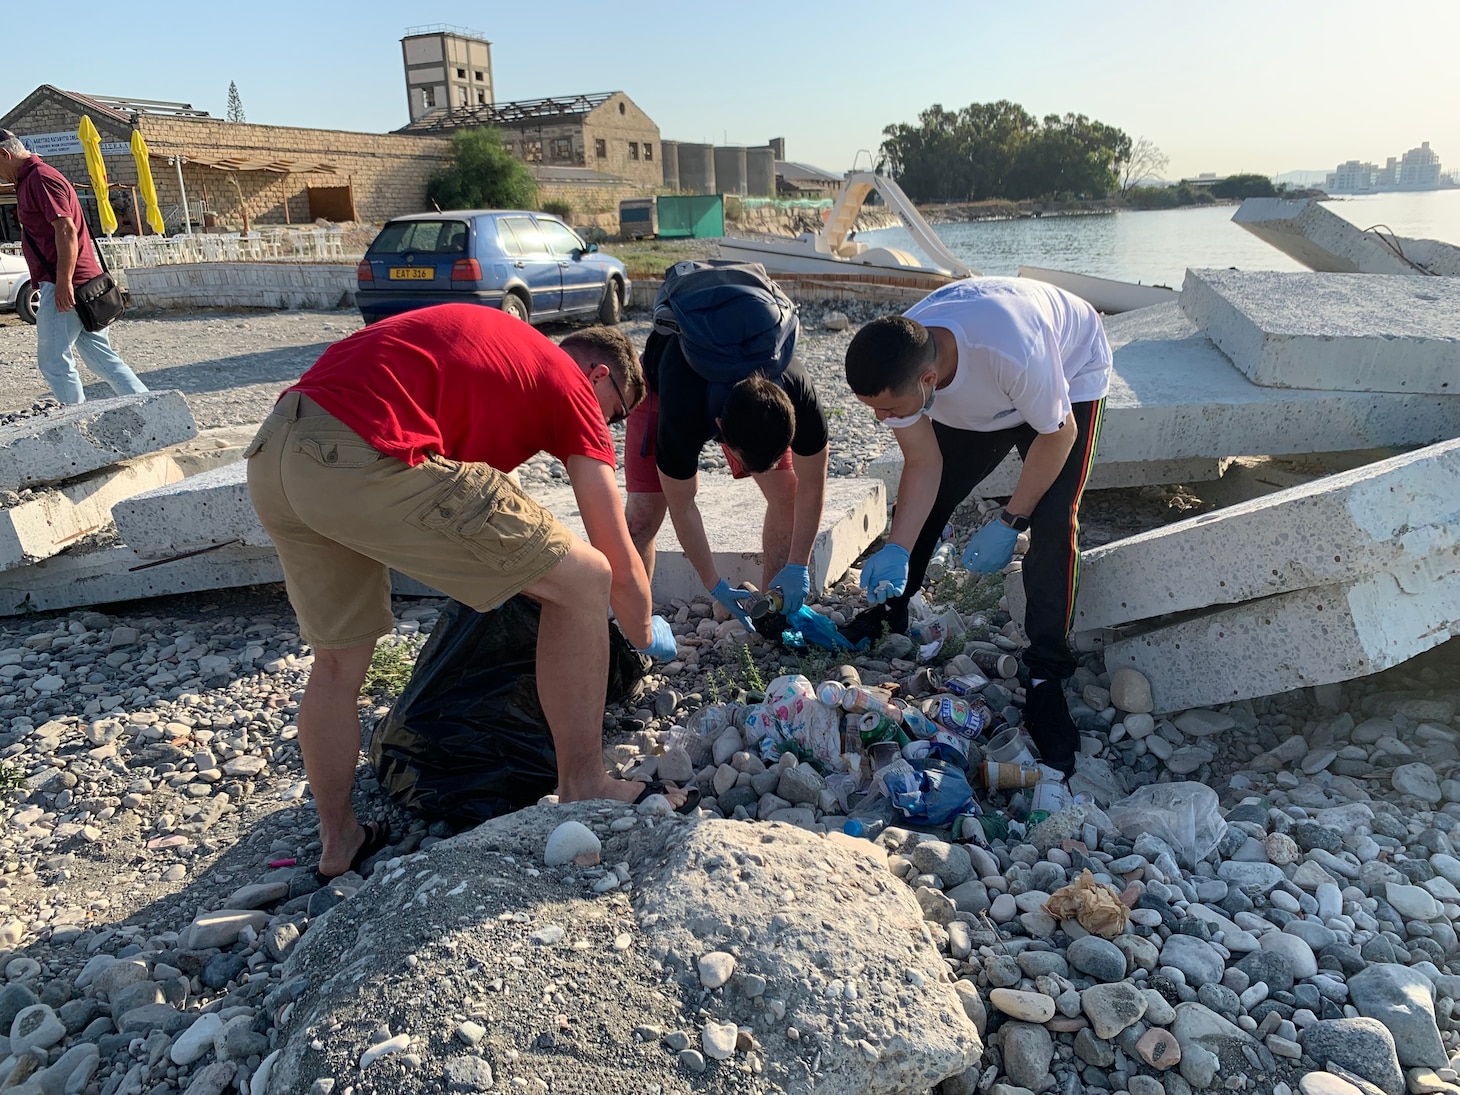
771 430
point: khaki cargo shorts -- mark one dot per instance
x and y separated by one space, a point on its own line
342 514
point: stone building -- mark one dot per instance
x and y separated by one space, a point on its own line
274 174
446 67
604 132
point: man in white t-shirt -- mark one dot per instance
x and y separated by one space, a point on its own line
977 368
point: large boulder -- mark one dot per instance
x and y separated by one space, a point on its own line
594 973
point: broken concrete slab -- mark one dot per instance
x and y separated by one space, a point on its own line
1105 475
110 574
56 518
86 437
210 509
1322 240
201 511
1308 637
1173 394
855 514
1372 333
1391 516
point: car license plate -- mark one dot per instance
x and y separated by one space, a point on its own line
412 273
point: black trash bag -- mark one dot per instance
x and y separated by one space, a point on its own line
467 740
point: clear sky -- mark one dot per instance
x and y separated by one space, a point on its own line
1225 86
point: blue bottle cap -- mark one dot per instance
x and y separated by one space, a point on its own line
852 827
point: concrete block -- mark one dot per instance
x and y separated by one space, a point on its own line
1372 333
57 518
1173 394
1295 640
86 437
1321 240
1393 515
213 508
1105 475
110 575
855 514
200 511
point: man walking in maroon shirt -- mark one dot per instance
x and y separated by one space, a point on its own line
61 256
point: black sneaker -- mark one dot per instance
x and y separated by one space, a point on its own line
873 622
1047 718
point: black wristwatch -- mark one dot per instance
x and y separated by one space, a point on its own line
1018 524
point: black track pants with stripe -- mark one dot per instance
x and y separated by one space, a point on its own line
1052 566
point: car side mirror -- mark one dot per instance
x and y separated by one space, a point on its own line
591 249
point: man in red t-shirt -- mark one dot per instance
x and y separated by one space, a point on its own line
392 451
60 255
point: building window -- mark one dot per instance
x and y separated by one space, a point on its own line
561 149
428 97
461 74
477 76
648 151
532 151
463 96
481 96
600 148
511 147
633 150
622 109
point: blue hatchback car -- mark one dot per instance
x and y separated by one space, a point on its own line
530 265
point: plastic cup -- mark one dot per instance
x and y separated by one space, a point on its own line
1008 746
883 753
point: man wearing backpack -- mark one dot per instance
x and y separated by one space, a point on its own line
720 365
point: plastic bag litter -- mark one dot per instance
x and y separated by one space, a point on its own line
807 627
1185 815
793 718
467 740
926 791
1095 906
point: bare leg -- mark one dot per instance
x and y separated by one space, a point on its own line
644 514
572 674
779 488
329 737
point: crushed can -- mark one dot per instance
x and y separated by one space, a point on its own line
831 693
968 717
862 700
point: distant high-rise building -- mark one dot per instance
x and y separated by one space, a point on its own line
1419 169
446 68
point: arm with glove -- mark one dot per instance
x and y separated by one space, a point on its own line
794 579
992 547
884 575
689 527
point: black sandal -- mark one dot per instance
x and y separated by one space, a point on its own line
376 838
656 787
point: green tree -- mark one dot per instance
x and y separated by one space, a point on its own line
235 103
1244 186
482 175
1000 150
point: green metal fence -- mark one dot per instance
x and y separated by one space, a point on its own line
691 216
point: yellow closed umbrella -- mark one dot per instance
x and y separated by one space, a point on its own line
144 181
91 145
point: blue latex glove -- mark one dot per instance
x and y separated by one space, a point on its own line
734 598
662 647
991 548
794 582
885 574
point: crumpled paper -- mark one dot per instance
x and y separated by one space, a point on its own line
1095 906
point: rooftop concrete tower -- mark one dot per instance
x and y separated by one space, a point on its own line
446 67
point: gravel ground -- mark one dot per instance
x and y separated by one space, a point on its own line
155 773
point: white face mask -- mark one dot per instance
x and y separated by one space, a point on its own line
910 420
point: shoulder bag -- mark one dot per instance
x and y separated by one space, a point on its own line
98 301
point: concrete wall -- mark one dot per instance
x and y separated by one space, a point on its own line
243 285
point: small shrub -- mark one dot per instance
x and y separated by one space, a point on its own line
391 666
558 208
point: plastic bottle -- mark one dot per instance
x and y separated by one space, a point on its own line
917 724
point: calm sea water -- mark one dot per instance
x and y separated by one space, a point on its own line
1155 248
